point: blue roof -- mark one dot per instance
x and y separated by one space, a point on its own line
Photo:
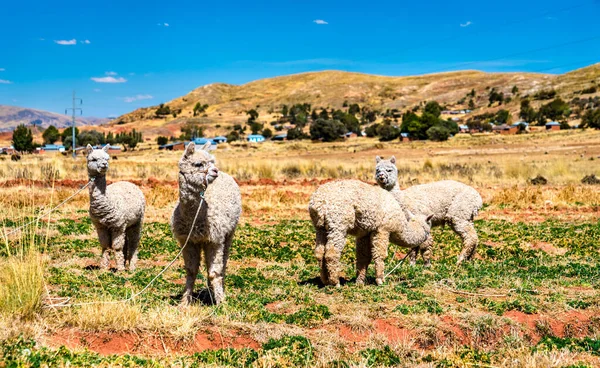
220 137
463 126
405 135
552 123
202 140
53 146
255 136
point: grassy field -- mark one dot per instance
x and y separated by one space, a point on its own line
529 299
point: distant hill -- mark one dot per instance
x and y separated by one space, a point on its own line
12 116
228 103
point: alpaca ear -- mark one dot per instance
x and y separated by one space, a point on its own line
88 149
189 150
105 148
393 160
429 218
409 215
206 146
377 159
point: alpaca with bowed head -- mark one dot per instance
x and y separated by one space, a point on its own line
116 210
449 201
202 184
369 213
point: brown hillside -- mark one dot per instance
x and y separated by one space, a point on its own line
228 103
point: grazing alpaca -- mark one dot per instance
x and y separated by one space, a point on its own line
449 201
372 215
117 211
216 223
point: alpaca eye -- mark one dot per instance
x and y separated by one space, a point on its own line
199 164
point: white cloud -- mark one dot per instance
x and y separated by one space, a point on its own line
110 73
320 21
66 42
137 98
108 80
87 42
466 24
162 24
97 90
42 39
2 69
131 73
4 81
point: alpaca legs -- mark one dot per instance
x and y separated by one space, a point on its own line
466 230
321 240
104 237
191 259
363 258
215 265
133 234
379 240
118 245
333 251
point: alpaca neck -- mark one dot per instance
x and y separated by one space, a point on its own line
189 197
100 205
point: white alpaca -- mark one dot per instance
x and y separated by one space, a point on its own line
216 223
450 202
117 211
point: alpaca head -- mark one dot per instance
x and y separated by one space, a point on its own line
97 160
386 172
197 167
417 228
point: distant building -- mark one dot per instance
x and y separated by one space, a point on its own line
175 146
404 137
553 125
7 150
219 139
463 128
255 138
505 129
350 135
279 137
50 148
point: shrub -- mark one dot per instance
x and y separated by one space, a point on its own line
21 284
438 133
326 130
22 139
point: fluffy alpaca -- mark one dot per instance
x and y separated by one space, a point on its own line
449 201
216 223
117 211
370 214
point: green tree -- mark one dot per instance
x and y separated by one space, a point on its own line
515 90
472 105
233 136
295 134
387 132
354 109
92 137
51 135
255 127
327 130
350 122
161 141
557 110
252 115
433 108
495 96
199 108
162 110
22 139
371 130
502 117
267 133
438 133
284 111
527 112
591 119
68 132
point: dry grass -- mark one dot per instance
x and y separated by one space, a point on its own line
21 284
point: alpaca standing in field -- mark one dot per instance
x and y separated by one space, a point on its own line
117 211
216 223
449 201
369 213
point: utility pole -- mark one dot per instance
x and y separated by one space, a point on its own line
74 109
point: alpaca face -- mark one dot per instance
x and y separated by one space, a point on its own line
386 173
97 160
197 167
418 228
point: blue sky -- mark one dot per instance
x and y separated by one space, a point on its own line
120 55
